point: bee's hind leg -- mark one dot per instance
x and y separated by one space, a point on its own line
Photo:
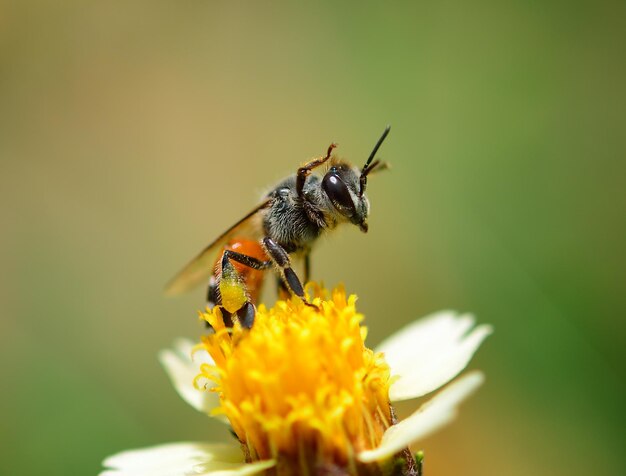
289 277
246 315
232 290
214 299
213 295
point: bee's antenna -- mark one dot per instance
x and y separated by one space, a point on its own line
369 166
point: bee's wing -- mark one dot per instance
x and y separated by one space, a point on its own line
200 268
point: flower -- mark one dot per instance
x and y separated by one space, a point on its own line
304 395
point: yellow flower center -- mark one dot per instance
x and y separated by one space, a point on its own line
300 386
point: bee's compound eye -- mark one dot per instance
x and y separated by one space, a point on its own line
339 194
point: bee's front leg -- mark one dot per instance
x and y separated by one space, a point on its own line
289 277
305 170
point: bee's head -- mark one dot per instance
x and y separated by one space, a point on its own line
345 187
341 186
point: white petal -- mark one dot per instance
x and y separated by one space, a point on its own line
229 469
182 370
182 459
437 412
430 352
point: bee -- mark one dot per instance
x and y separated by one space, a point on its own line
285 225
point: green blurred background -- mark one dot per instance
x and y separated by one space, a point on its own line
131 133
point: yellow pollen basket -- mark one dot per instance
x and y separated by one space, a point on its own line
232 291
300 386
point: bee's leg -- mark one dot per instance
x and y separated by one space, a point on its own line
282 289
307 267
227 317
214 299
249 261
246 315
305 170
213 295
232 290
281 258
